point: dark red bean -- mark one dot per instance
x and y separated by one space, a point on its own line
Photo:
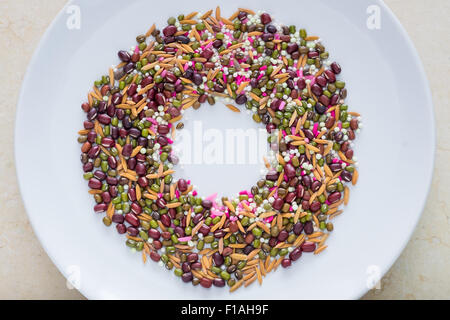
136 208
295 254
330 76
206 283
127 150
192 257
300 190
316 89
187 277
336 68
87 167
218 282
132 231
285 263
155 256
157 244
334 197
94 183
278 204
121 228
204 229
289 170
182 185
241 99
346 176
124 56
154 234
165 220
335 167
265 18
315 206
118 218
132 219
218 259
283 235
309 228
169 31
298 228
101 207
308 246
106 197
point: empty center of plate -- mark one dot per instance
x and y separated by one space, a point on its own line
220 150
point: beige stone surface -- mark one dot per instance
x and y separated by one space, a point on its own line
26 272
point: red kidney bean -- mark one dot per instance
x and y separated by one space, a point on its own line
88 125
309 228
132 231
118 218
285 263
196 266
273 242
206 283
278 204
305 205
136 208
204 229
121 228
335 167
316 89
336 68
155 256
308 246
321 81
315 186
88 166
298 228
306 181
334 197
323 99
101 207
186 267
129 67
154 234
290 197
94 152
124 56
300 190
346 176
315 206
143 182
140 169
218 259
127 150
301 83
330 76
182 185
161 203
192 257
94 183
289 170
219 282
295 254
108 142
106 197
187 277
265 18
157 244
272 175
132 219
283 235
354 124
349 154
165 220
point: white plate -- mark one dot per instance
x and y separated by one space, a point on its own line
386 84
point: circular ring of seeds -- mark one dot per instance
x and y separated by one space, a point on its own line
285 77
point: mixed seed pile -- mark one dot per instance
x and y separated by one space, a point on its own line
286 79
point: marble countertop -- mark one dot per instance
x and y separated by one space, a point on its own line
421 272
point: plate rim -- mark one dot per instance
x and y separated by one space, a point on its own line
418 64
